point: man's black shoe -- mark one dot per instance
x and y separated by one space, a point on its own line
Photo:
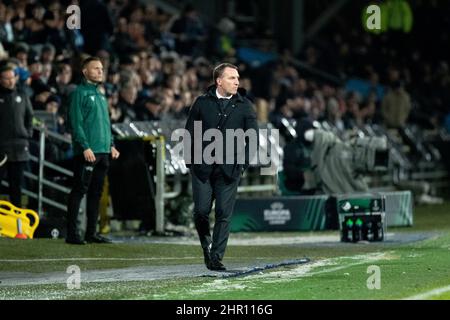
75 241
216 265
98 239
207 256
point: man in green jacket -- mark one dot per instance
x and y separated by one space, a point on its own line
93 145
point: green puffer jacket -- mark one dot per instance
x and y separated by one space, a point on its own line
88 119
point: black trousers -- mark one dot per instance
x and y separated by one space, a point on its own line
224 191
14 172
88 179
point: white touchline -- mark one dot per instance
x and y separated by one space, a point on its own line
112 259
429 294
94 259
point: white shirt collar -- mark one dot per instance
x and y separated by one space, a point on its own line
222 97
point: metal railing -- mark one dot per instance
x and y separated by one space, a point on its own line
39 178
165 188
45 134
42 182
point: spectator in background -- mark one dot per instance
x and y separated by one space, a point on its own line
370 111
123 43
396 106
126 104
21 54
54 30
353 116
3 53
41 93
34 21
20 32
61 82
6 29
46 72
189 32
34 65
48 54
96 26
16 116
53 106
224 40
55 151
149 109
334 115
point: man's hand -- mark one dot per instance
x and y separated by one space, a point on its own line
114 153
89 155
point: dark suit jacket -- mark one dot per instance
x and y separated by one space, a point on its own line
16 115
239 114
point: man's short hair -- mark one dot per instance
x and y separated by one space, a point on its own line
89 60
218 70
48 47
6 66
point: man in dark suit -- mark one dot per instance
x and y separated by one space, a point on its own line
16 129
222 107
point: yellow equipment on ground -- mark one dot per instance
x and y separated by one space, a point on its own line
15 222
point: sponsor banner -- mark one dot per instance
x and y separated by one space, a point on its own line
308 213
279 214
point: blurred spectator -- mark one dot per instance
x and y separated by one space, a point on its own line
224 41
62 83
123 43
189 32
396 106
6 29
333 114
127 98
52 106
21 53
96 26
15 129
48 54
149 109
353 117
20 32
41 93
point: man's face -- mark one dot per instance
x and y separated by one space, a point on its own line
8 79
93 71
228 83
65 74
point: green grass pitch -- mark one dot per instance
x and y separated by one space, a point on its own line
416 269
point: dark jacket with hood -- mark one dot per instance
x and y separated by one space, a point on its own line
16 116
238 114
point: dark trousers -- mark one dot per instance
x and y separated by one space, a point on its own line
224 191
88 179
15 180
